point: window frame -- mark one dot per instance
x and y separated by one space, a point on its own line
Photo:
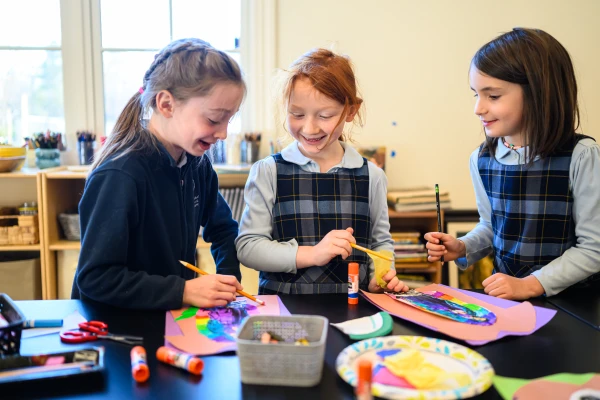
83 85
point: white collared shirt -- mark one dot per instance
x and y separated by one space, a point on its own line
578 262
255 245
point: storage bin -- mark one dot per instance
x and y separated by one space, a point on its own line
70 226
283 363
21 275
66 262
10 335
25 232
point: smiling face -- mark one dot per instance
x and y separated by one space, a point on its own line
499 106
312 118
194 125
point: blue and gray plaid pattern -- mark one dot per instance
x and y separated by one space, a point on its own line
309 205
531 207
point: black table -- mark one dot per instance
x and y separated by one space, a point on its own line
581 303
564 345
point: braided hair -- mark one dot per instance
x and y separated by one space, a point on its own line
186 68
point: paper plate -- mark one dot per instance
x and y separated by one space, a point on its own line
450 357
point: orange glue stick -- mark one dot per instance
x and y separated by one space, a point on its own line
185 361
139 366
365 376
353 283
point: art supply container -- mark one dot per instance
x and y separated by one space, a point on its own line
85 150
284 363
10 335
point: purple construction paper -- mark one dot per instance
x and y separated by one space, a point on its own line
542 315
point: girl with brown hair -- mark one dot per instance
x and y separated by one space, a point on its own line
536 180
151 188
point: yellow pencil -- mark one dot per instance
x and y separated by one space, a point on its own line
371 252
241 292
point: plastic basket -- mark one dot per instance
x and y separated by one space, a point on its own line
283 363
70 226
10 335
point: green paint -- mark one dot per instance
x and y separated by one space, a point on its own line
190 312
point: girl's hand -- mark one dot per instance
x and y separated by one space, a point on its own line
335 243
451 248
509 287
393 284
211 290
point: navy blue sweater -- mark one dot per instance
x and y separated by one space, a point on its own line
139 215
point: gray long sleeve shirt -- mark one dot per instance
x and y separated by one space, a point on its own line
578 262
255 245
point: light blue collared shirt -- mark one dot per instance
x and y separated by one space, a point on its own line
255 245
578 262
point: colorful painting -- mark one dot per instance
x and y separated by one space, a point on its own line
416 367
446 306
512 317
220 323
206 331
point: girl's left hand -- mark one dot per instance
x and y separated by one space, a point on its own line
511 288
393 283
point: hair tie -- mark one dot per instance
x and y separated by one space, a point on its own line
141 90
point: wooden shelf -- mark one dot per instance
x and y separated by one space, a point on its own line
66 174
22 173
21 247
421 266
420 270
65 245
412 214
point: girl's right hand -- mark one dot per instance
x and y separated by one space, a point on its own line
335 243
451 248
211 290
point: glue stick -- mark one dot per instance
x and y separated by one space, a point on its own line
363 384
185 361
139 366
353 283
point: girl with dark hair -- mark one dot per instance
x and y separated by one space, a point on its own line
537 181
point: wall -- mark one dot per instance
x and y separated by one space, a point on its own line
412 60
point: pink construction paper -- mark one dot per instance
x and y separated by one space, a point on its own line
513 318
184 336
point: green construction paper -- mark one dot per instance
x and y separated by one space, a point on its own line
507 387
386 328
190 312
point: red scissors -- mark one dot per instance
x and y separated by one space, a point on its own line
94 330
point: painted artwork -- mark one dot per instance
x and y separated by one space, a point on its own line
446 306
512 318
206 331
220 323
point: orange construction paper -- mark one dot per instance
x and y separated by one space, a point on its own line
193 342
520 318
548 390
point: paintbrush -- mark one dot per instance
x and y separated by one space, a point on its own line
241 292
371 252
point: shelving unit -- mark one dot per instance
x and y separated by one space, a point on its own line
62 189
423 222
19 187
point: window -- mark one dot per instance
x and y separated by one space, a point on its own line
31 70
127 52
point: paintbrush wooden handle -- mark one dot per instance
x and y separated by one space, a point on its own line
371 252
241 292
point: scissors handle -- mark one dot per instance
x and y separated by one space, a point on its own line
77 337
97 327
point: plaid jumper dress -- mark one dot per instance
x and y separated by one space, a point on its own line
308 205
531 207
